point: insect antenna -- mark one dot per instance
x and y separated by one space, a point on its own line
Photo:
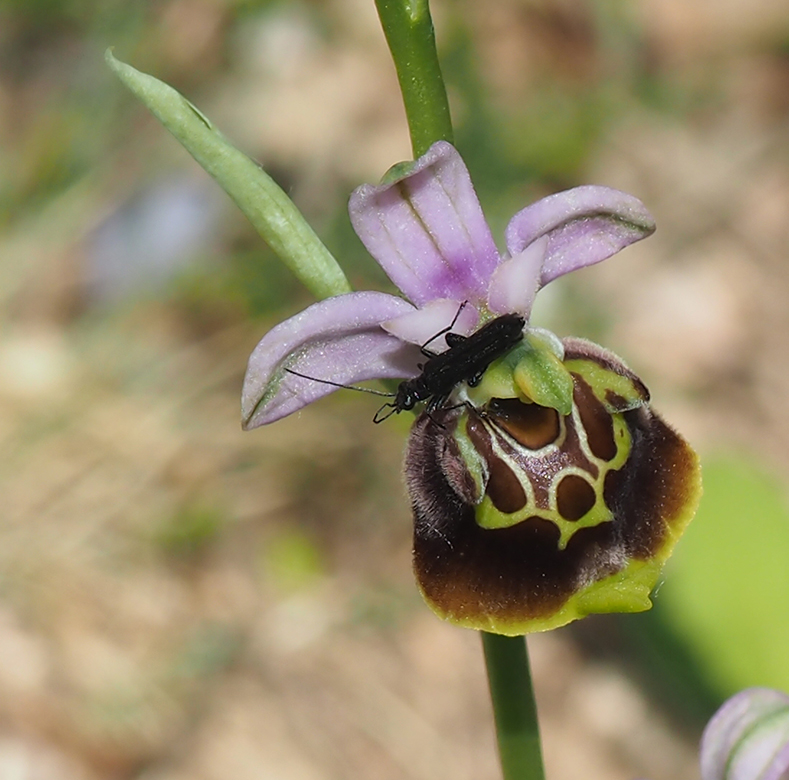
344 387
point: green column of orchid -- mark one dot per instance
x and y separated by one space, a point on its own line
409 33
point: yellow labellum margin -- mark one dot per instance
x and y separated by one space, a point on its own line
552 492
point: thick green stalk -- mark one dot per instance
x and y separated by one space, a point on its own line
409 33
514 708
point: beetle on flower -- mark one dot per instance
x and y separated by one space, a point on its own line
427 231
549 489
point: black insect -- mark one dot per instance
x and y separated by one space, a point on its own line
466 360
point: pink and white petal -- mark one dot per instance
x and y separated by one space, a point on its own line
737 717
421 325
584 226
339 340
763 753
427 229
516 281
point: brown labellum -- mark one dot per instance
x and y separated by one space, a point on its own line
525 519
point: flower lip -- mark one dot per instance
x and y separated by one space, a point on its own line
427 231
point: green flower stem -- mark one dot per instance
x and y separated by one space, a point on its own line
514 708
267 207
409 33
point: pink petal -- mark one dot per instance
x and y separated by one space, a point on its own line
339 339
763 754
584 226
516 281
427 230
421 325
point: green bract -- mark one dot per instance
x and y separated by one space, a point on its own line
261 199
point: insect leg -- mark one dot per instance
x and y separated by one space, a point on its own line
473 381
435 403
453 339
426 352
379 417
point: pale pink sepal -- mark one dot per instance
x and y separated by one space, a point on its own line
339 340
427 229
748 738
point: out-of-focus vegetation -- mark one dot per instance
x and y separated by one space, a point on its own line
179 599
727 593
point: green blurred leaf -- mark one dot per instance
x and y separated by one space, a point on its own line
291 561
190 531
727 588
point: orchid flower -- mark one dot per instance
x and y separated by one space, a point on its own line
546 488
427 231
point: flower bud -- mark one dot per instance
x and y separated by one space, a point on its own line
748 738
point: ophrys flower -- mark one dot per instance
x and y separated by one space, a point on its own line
543 485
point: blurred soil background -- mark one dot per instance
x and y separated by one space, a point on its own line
181 600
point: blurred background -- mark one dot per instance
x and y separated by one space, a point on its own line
179 599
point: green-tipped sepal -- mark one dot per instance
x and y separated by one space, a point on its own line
527 517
